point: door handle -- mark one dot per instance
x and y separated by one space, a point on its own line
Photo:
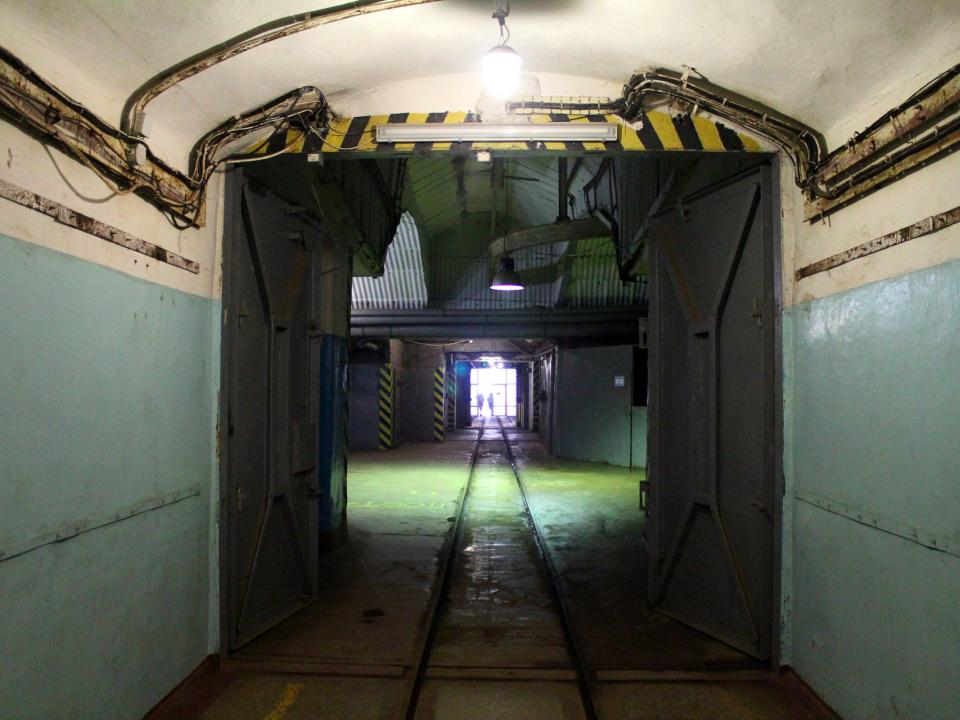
756 311
761 506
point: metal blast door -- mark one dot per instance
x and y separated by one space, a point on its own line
713 424
269 410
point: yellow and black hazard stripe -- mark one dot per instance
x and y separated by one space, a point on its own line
451 398
438 403
386 407
653 130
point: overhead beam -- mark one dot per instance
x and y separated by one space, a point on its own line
620 322
649 131
584 229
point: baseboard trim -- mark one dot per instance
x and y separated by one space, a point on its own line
805 695
192 695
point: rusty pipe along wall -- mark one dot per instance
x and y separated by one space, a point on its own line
124 162
904 139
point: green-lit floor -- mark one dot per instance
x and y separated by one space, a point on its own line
345 656
590 517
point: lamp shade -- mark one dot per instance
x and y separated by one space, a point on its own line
506 278
501 71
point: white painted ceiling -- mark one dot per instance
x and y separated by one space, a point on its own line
832 65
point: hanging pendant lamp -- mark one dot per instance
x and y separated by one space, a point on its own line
501 64
506 278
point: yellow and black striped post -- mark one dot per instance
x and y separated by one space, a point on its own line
386 407
451 397
438 403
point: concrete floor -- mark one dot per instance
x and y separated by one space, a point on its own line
500 645
500 651
594 532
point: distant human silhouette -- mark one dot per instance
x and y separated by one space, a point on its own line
479 405
490 403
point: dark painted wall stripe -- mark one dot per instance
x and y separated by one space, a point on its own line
432 119
729 138
312 143
687 132
354 135
648 136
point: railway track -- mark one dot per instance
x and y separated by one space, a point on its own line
492 449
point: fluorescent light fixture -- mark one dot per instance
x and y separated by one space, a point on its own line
501 71
483 132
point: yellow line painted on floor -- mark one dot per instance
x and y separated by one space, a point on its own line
288 699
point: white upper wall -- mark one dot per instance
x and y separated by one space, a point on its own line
26 162
836 66
821 62
928 191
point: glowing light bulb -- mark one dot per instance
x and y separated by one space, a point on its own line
501 71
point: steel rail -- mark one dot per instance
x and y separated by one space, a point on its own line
573 649
414 684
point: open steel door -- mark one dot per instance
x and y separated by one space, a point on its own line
268 415
713 425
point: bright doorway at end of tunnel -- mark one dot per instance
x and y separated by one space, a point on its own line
493 391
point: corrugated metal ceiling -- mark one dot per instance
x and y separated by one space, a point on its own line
459 205
402 285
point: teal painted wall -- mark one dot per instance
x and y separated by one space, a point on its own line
593 416
873 427
107 399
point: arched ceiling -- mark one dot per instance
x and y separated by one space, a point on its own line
820 62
